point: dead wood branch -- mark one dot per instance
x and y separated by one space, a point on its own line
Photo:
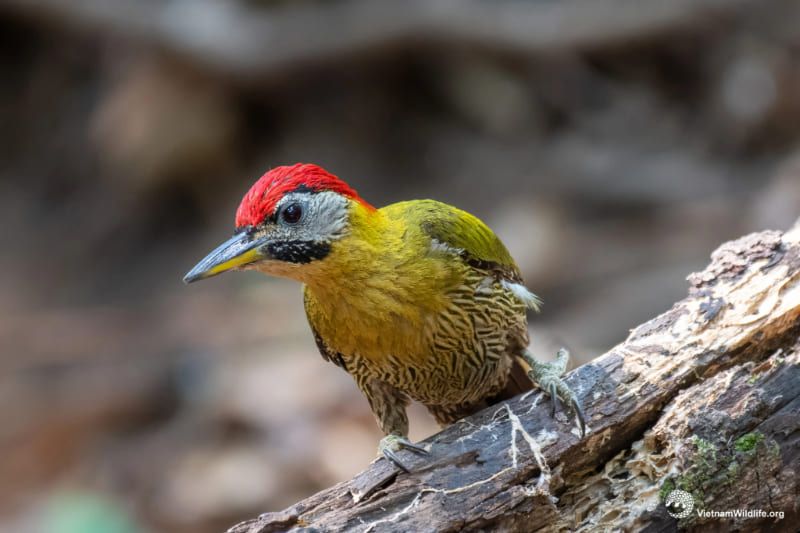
705 397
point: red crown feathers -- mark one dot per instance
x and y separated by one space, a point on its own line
260 201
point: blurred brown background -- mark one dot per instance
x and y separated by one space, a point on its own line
611 143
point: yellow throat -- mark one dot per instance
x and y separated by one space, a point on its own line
378 289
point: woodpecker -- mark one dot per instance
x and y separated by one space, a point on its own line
416 300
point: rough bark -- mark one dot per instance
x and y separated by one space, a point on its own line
705 398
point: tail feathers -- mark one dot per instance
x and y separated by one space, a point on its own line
518 382
522 293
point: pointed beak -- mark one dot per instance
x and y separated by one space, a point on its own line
238 251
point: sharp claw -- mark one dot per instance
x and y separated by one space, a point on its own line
413 447
554 399
393 458
580 416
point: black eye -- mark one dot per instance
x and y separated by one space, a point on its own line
292 213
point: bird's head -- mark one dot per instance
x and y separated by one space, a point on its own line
288 221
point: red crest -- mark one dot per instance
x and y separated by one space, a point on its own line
260 201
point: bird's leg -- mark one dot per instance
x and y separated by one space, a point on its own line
389 407
391 444
547 377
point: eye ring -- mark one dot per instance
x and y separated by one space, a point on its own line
292 213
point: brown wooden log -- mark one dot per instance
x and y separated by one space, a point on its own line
704 398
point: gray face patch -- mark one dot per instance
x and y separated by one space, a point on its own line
304 225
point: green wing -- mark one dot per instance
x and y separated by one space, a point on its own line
464 233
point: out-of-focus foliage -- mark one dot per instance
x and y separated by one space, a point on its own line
611 150
85 513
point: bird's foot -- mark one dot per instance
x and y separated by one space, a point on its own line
391 444
547 377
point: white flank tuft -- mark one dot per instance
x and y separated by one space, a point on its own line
524 295
442 247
